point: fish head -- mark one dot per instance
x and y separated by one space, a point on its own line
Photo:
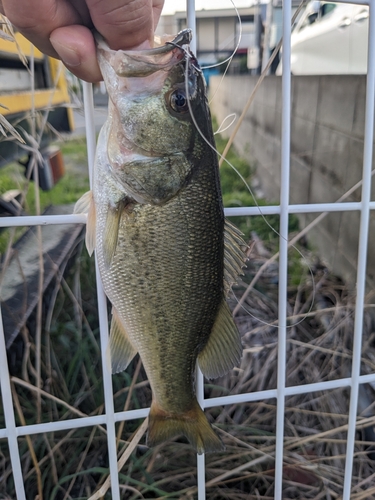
156 99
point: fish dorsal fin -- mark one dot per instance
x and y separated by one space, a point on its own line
223 350
86 205
120 349
234 255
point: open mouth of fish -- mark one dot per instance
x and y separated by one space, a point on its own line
168 51
134 79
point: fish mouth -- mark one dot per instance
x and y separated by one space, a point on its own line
182 38
168 52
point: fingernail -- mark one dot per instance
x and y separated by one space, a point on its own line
68 55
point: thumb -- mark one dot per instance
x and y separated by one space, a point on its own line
75 45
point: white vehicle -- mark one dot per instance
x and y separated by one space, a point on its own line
330 39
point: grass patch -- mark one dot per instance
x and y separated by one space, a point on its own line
237 193
74 149
68 189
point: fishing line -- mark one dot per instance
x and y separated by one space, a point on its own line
221 128
229 59
188 57
259 82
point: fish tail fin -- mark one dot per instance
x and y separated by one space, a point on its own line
193 425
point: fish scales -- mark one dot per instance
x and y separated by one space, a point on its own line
155 219
170 258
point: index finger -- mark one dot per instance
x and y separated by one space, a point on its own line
37 19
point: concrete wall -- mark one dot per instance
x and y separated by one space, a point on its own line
328 115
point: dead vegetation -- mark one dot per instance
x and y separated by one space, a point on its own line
74 464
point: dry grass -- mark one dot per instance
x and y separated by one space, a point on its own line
319 348
74 464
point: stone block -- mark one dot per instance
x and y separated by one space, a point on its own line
336 102
305 97
300 174
330 157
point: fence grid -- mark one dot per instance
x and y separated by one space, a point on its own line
11 432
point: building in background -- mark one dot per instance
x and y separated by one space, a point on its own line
220 34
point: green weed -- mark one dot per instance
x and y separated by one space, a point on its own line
237 192
67 191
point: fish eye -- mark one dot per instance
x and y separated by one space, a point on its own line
178 101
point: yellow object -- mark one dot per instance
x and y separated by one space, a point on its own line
23 100
20 43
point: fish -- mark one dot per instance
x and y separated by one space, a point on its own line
166 254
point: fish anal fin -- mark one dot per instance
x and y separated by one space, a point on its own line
193 425
120 350
223 350
86 205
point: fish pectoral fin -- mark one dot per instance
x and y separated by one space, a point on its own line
111 229
193 425
110 235
86 205
120 349
223 350
82 205
234 255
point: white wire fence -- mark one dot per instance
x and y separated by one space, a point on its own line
12 432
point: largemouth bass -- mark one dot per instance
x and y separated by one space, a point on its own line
166 255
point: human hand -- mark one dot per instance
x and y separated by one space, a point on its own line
62 28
